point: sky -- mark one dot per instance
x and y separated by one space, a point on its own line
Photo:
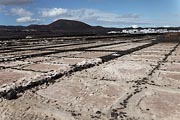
107 13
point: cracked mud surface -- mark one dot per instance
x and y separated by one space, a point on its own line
104 80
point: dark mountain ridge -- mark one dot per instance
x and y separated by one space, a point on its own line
60 27
69 25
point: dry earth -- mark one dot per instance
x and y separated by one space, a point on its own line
107 79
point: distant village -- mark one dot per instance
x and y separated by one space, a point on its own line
142 31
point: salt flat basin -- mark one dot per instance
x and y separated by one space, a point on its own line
46 67
91 54
122 71
84 95
11 75
161 105
68 60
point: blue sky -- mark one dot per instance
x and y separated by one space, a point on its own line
110 13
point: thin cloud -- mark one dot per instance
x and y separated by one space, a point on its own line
26 20
20 12
15 2
92 15
176 15
1 9
53 12
130 15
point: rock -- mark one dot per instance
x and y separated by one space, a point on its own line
12 94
